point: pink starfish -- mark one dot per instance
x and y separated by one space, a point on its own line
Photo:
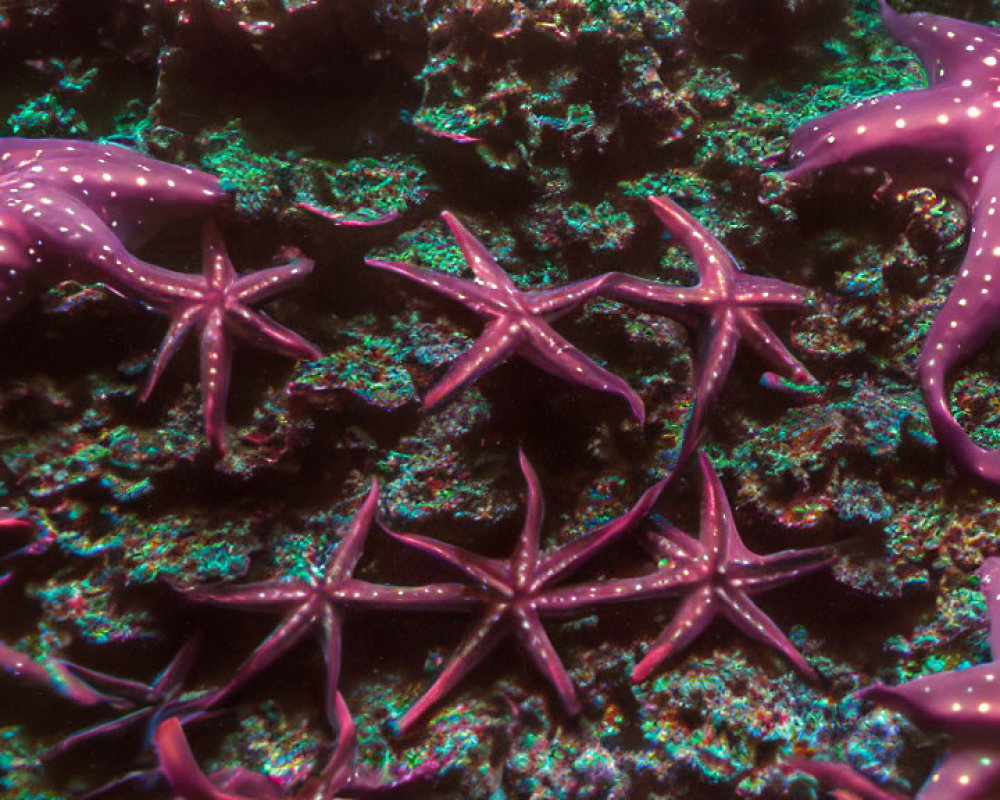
218 302
319 603
515 594
716 574
726 304
518 323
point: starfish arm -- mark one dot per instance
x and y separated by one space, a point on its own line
259 329
178 765
102 731
949 49
549 351
763 573
132 691
563 561
832 775
970 772
718 535
256 287
691 619
968 318
216 364
139 783
483 637
536 643
669 543
474 297
216 264
762 292
430 597
883 133
678 302
333 642
758 334
179 328
989 584
339 768
525 558
262 596
960 702
745 615
52 675
715 263
172 677
495 345
352 543
572 599
551 304
487 571
483 265
282 639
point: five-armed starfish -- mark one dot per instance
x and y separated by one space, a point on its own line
515 594
519 323
732 302
68 209
338 779
319 604
716 573
945 136
963 704
218 302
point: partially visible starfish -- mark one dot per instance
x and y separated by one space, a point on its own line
319 603
716 573
70 209
218 303
338 779
518 323
945 136
963 704
726 305
515 594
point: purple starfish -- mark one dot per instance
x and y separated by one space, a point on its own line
943 136
518 323
731 300
320 602
218 302
515 595
70 208
338 779
716 573
963 704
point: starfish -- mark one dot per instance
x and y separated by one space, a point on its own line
218 302
518 323
338 779
963 704
945 136
716 574
319 603
515 594
69 209
731 300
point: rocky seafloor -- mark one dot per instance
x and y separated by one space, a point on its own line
345 127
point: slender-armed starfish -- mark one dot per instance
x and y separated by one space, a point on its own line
338 779
518 323
945 136
515 594
732 301
964 704
69 209
716 574
319 604
218 302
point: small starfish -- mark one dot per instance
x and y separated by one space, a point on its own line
732 301
69 209
338 779
716 573
963 704
515 595
519 323
945 136
218 302
320 602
